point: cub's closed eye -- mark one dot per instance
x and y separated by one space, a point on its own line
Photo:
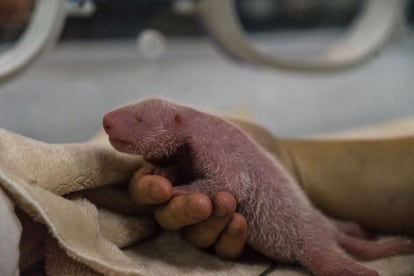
178 119
139 119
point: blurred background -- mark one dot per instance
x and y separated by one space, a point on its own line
112 52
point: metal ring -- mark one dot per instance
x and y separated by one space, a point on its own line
44 27
369 32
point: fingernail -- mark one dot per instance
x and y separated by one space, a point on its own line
157 192
220 212
234 230
197 208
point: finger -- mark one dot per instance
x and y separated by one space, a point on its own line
231 242
205 233
183 210
150 189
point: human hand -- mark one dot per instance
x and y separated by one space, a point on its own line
205 222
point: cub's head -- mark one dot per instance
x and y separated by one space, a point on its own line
150 127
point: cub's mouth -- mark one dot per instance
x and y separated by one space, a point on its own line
122 145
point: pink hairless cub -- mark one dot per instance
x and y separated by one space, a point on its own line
201 152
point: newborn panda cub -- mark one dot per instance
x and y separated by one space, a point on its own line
200 152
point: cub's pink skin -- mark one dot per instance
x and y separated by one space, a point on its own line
201 152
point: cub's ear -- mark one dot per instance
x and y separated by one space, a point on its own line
178 119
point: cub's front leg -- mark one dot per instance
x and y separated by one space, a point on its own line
171 172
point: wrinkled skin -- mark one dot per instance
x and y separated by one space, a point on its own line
199 152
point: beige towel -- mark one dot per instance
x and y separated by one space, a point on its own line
79 192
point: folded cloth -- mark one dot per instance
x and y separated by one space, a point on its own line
10 231
79 192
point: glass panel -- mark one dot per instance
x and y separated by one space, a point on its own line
296 26
14 18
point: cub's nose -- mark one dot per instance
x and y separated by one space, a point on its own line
118 123
114 121
107 123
